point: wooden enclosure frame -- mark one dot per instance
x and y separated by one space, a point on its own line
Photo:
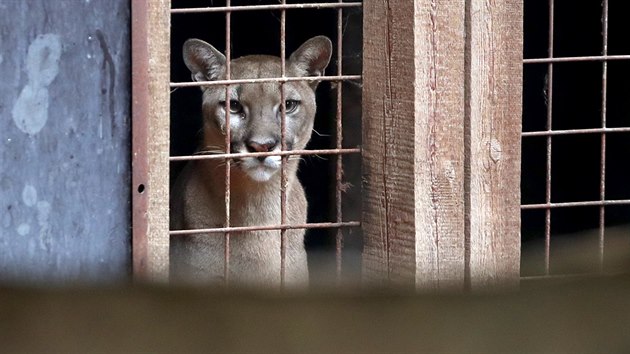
150 70
442 83
441 143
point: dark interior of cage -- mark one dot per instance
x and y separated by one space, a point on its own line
258 32
576 159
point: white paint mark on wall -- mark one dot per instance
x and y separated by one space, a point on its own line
43 215
29 195
1 58
43 211
24 229
30 111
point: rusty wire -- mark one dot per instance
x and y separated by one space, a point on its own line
577 131
239 155
283 6
228 142
264 80
321 225
339 141
602 171
576 204
549 140
284 153
576 59
283 131
603 130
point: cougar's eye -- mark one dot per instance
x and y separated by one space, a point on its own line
291 105
235 106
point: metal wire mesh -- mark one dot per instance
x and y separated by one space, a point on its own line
338 150
603 131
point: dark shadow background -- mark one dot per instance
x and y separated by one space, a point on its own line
258 32
577 104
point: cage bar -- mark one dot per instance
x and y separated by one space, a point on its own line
549 140
577 131
265 80
576 204
339 141
283 131
322 225
283 6
260 154
228 141
602 176
576 59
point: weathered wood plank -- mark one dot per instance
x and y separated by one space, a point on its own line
413 138
388 141
151 72
494 106
439 167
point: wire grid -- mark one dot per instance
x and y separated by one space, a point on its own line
549 133
338 151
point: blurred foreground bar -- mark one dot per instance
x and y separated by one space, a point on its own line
568 316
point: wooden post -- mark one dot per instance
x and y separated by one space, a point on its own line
494 90
413 143
150 131
441 143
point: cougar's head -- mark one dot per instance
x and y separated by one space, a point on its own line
255 109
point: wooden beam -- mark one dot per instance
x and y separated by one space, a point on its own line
494 86
413 143
439 168
150 131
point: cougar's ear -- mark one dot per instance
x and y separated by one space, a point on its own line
203 60
313 56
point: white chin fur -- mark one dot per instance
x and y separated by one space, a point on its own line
261 172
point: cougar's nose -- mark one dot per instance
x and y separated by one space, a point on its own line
255 146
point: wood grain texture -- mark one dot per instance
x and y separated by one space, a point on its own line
151 138
413 143
494 99
388 142
439 168
439 153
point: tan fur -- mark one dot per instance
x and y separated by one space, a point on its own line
198 197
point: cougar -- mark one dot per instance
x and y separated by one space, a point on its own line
198 195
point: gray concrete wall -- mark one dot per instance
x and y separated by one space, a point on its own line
64 140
